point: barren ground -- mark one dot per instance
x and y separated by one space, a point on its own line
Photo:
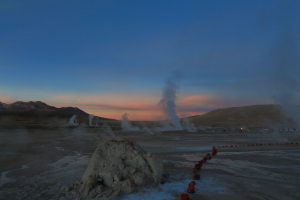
40 163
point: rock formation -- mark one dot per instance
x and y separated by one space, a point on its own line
118 167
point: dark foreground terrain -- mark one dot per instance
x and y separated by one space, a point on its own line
40 163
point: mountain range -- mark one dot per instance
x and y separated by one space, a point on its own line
39 114
38 107
248 116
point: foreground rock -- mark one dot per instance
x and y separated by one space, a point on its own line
118 167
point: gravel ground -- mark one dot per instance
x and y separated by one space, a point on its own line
40 163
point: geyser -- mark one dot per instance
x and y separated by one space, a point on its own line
287 63
125 124
73 121
91 117
188 126
168 101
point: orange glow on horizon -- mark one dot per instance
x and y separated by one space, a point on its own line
198 100
6 99
139 108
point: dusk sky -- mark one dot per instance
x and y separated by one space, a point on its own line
110 57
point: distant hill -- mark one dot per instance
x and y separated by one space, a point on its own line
38 108
21 106
37 113
249 116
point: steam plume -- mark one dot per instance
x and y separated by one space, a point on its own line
91 117
73 121
126 126
168 101
188 126
287 64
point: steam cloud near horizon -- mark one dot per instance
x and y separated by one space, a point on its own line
287 63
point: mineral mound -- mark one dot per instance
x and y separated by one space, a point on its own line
118 167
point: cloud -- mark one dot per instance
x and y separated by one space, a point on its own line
198 100
113 105
128 107
138 107
106 100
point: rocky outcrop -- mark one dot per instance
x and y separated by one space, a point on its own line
118 167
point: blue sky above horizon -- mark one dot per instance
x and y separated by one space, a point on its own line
119 53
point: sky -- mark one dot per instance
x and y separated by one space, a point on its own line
111 57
